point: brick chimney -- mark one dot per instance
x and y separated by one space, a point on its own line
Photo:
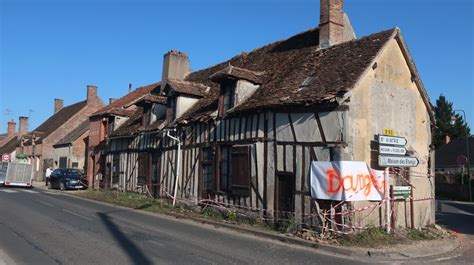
331 23
91 93
58 105
175 65
11 129
23 128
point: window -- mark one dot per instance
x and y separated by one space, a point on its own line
142 168
110 125
116 169
235 170
225 169
172 109
227 99
207 166
146 118
241 170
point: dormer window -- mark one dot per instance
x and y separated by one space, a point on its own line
228 96
237 85
182 95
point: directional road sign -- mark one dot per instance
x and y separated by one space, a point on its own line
401 192
397 161
392 140
392 150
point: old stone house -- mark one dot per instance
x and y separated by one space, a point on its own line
38 145
248 128
105 121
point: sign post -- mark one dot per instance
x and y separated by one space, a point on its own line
392 153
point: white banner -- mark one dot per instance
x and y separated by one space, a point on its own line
346 181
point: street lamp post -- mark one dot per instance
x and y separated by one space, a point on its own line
453 122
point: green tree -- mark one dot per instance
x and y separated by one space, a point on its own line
443 113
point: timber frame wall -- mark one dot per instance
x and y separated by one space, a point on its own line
281 143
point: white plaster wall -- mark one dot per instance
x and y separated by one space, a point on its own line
387 98
243 90
183 104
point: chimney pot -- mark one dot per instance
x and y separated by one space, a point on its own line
11 128
331 23
23 127
91 92
58 105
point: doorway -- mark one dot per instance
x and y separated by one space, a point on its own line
285 199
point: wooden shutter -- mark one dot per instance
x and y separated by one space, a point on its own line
241 170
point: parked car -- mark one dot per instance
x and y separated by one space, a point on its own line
67 178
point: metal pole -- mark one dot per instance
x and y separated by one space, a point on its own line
468 158
387 199
178 168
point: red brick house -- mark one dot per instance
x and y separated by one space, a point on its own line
38 144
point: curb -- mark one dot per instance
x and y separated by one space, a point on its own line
346 251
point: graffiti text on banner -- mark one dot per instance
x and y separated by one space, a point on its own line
342 181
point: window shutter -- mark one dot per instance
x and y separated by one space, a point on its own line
241 170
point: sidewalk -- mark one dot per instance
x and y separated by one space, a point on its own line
419 249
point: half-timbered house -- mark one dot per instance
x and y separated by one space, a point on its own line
249 128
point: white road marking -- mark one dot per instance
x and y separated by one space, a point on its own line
53 193
9 191
464 212
452 257
30 191
45 203
78 215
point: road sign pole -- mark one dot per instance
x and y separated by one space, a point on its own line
387 199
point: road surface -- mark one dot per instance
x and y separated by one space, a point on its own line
44 227
458 216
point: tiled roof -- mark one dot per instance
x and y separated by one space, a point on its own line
118 105
296 72
186 87
58 119
447 154
74 134
9 146
237 73
150 99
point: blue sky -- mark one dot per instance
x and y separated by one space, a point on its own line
54 48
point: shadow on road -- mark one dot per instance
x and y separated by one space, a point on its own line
456 216
135 254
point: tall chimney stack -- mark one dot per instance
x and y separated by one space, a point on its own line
91 93
11 128
175 65
331 23
58 105
23 128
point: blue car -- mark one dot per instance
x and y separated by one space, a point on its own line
67 178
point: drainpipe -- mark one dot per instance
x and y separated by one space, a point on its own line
178 167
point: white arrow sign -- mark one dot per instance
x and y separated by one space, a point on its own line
392 150
383 139
398 161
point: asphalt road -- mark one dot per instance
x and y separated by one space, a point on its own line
42 227
458 216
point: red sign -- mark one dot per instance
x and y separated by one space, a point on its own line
5 157
461 160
